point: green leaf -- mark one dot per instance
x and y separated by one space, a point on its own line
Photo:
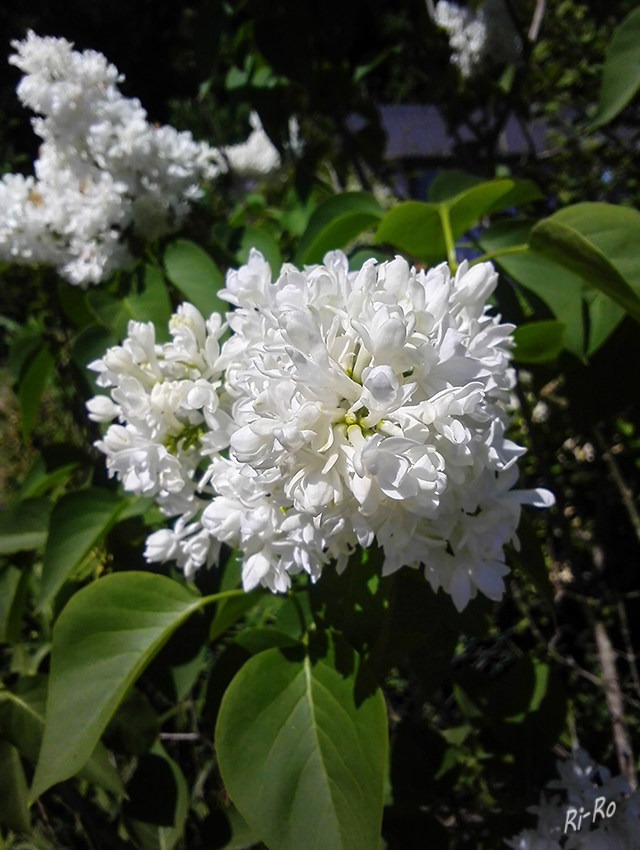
448 184
78 522
24 525
102 641
152 304
229 611
152 837
303 753
538 342
74 304
335 223
40 479
32 383
560 288
14 807
416 227
621 73
598 242
604 317
361 255
22 723
260 238
91 344
9 582
530 561
196 275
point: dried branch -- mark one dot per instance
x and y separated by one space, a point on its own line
614 704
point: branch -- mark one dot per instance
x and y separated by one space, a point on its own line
536 21
614 704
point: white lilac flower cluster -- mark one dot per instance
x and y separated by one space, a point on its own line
102 168
258 156
478 36
355 405
566 820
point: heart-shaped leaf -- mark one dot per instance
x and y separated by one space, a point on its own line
302 746
102 641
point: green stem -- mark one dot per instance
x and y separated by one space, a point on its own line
448 237
298 607
216 597
513 249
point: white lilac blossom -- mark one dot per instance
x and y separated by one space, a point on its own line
476 37
358 406
102 169
584 786
258 156
166 398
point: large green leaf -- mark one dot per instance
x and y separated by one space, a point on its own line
22 713
196 275
621 73
598 242
538 342
102 641
24 525
564 291
417 227
14 807
32 383
302 746
335 223
78 522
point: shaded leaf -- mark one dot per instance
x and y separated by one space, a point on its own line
78 522
538 342
152 303
22 713
24 525
621 72
14 807
33 380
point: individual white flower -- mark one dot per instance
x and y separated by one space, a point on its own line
582 783
102 168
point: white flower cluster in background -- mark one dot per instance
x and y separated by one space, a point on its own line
102 168
585 786
355 405
475 37
258 156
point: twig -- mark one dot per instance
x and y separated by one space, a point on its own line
624 490
536 21
614 703
179 736
626 636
